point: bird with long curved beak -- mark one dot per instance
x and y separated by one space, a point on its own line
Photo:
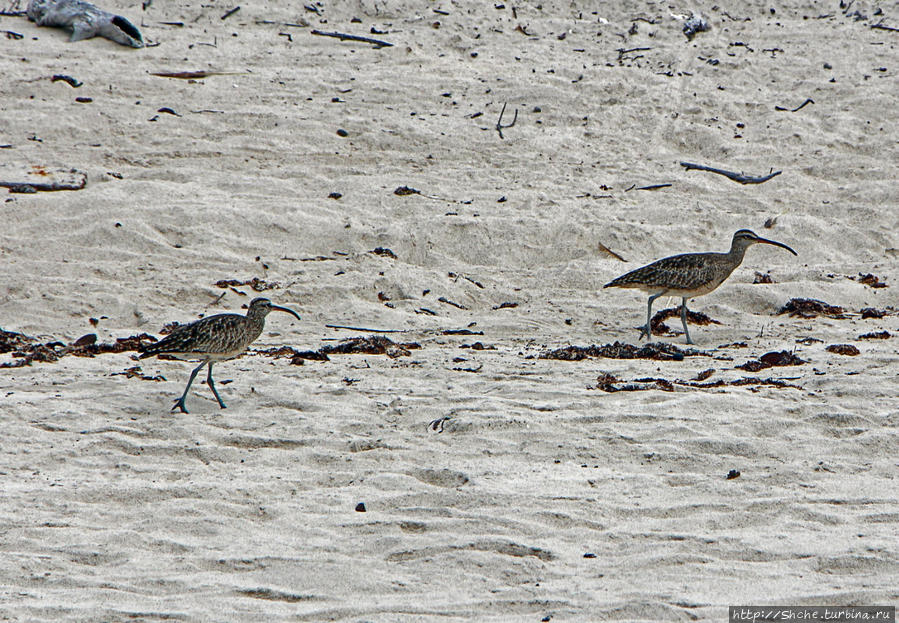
213 339
689 275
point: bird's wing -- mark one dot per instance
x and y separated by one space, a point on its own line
218 333
678 272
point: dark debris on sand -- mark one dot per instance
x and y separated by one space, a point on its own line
843 349
369 345
871 280
658 326
609 383
259 285
772 359
26 350
870 312
12 341
137 372
658 351
811 308
90 348
875 335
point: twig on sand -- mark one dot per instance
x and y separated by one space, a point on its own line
345 37
340 326
499 122
607 251
737 177
800 107
880 25
443 299
195 75
654 187
77 182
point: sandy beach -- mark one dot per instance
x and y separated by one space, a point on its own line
478 473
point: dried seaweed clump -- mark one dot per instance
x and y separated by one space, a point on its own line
619 350
610 383
871 280
372 345
27 350
772 359
11 341
878 335
259 285
843 349
871 312
811 308
659 327
87 346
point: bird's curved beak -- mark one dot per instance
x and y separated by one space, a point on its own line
776 244
286 310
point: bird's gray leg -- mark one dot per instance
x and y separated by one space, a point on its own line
683 318
179 403
647 330
212 387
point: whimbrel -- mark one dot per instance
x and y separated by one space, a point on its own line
213 339
688 275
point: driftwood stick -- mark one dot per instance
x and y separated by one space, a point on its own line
880 25
737 177
800 107
28 187
499 122
345 37
340 326
443 299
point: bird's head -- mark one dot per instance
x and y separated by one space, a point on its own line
744 238
261 306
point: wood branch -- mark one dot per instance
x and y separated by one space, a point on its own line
880 25
443 299
798 108
77 181
340 326
499 122
607 251
654 187
345 37
195 75
737 177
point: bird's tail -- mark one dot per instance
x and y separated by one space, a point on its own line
148 350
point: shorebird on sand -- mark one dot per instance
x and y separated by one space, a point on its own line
688 275
213 339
